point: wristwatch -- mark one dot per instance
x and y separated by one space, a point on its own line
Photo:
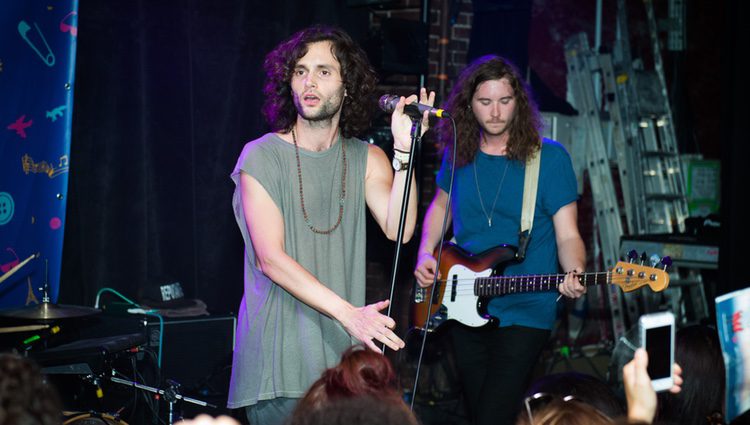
400 165
400 160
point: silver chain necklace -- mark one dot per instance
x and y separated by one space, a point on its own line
497 195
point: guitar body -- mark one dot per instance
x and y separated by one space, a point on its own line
451 303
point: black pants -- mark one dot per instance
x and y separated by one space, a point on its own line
495 366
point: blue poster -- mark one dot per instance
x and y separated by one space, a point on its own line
37 62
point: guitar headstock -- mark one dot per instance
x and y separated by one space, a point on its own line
631 276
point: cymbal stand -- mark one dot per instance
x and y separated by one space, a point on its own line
171 394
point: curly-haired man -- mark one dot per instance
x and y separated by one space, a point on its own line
300 204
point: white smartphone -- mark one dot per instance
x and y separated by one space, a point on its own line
657 338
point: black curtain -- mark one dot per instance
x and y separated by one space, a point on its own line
735 173
166 94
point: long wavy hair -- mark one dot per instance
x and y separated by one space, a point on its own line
358 76
523 130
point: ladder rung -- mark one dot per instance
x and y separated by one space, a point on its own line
663 197
662 154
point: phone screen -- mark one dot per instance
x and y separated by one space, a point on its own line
658 348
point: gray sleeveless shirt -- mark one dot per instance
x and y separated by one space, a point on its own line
282 345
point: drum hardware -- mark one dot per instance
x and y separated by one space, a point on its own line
171 394
45 310
91 418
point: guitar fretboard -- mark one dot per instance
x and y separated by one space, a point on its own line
502 285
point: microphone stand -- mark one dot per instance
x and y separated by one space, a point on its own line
416 130
171 394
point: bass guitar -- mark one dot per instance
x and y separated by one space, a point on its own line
469 281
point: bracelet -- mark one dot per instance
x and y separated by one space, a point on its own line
401 155
399 150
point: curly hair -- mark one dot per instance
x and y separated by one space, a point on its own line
358 76
524 129
25 397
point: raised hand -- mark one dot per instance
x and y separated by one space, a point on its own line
640 394
401 123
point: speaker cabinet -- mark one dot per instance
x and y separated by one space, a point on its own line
195 352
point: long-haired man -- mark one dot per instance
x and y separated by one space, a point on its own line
498 130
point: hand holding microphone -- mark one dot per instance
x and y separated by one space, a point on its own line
403 110
388 104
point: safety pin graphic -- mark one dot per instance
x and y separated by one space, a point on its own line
23 29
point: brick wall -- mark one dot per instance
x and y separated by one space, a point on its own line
380 251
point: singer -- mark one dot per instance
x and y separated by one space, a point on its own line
498 128
299 201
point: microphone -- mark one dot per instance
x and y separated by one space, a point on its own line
415 110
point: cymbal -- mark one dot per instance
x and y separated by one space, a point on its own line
46 311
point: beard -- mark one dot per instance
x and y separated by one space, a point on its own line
326 110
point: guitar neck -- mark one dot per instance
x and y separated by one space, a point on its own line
493 286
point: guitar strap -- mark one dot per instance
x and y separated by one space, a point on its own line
530 184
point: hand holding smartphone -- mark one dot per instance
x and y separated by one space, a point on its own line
657 333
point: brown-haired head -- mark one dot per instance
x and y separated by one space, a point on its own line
362 410
358 76
524 130
561 412
25 396
361 372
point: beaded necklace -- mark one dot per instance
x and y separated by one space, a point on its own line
302 193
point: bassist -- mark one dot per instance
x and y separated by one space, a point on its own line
498 127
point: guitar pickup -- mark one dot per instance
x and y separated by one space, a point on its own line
454 285
418 294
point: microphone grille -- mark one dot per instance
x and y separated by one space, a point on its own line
387 102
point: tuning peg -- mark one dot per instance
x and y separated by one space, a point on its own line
632 255
666 261
654 259
644 258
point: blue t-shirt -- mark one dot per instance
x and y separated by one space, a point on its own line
557 188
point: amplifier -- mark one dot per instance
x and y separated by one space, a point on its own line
195 351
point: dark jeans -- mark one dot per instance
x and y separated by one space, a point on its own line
495 366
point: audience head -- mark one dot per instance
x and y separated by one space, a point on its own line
361 372
364 410
25 397
557 410
585 388
701 401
